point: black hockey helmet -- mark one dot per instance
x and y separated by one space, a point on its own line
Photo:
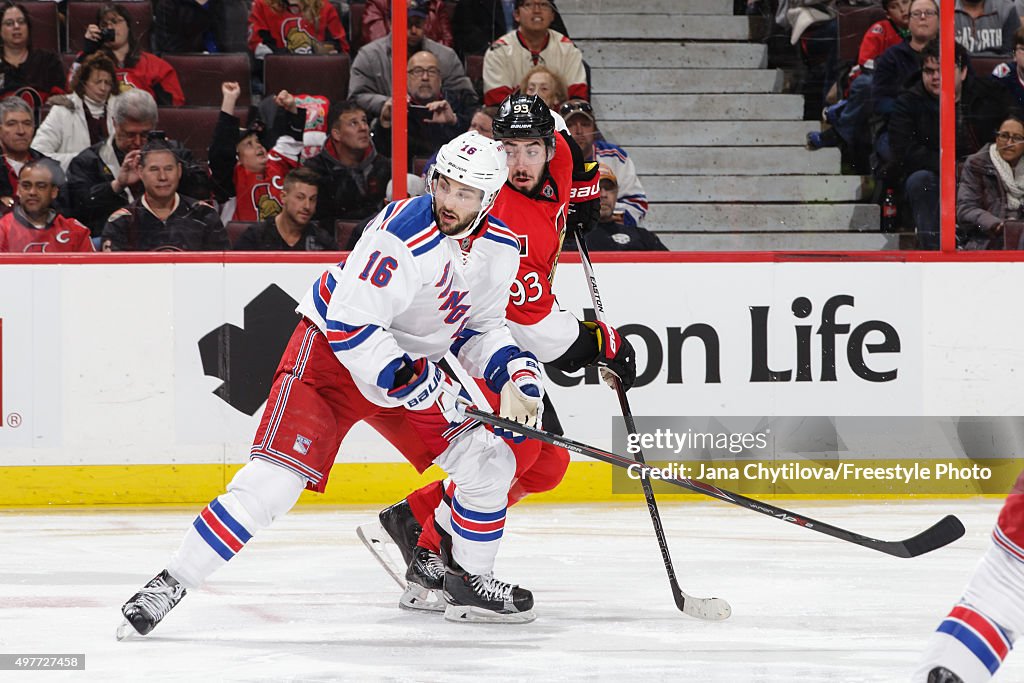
524 116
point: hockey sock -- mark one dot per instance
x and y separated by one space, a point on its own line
475 533
423 501
258 494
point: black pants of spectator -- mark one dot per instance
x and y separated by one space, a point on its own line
922 188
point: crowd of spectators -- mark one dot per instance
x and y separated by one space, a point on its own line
83 150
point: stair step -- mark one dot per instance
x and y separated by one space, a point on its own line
686 218
733 188
806 241
665 27
575 7
736 107
604 54
735 160
674 81
634 133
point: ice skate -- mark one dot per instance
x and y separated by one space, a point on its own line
150 605
425 582
484 599
396 526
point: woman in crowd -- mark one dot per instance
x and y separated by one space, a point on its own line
545 84
135 67
306 27
81 119
32 74
377 20
991 188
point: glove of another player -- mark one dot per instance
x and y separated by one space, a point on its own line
522 397
585 199
614 354
421 385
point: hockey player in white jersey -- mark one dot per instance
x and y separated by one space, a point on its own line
429 275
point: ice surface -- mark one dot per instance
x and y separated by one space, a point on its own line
306 602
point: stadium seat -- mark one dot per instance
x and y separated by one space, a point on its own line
235 230
1011 234
81 14
43 17
201 75
983 65
355 21
475 71
343 232
325 75
853 22
193 126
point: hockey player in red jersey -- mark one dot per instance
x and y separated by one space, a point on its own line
33 225
548 186
978 633
429 276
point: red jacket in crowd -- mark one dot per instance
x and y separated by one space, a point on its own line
377 21
283 32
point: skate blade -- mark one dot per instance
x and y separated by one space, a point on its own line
474 615
416 598
377 541
125 631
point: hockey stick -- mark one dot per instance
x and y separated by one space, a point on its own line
942 533
703 608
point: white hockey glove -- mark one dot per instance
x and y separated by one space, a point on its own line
522 397
420 385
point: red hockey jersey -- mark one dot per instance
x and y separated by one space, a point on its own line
62 234
292 32
258 196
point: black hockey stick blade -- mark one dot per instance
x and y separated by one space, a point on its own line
944 532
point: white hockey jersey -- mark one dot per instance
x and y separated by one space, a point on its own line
407 289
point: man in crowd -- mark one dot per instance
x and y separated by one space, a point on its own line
105 177
1011 74
33 225
293 229
353 176
370 83
986 26
632 200
611 233
534 42
914 132
161 219
435 117
17 127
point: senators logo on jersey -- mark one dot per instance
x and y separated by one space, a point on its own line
267 205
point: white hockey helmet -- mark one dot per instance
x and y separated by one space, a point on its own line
476 161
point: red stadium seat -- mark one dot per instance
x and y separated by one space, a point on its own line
45 25
853 22
983 65
475 71
325 75
193 126
355 25
235 230
81 14
343 231
201 75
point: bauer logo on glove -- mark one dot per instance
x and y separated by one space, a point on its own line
522 396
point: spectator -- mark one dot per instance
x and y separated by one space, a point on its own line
161 219
914 130
848 116
377 20
302 27
533 43
247 177
34 225
313 133
611 234
136 68
370 85
353 176
545 84
81 119
105 176
17 126
1011 74
992 186
896 66
293 229
483 121
31 74
986 26
478 23
632 200
190 26
434 117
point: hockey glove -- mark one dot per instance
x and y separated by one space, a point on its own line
585 199
614 354
421 385
522 397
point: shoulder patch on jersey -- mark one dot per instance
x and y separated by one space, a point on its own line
566 39
877 28
120 213
1002 70
500 42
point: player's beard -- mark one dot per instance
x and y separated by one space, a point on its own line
449 223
